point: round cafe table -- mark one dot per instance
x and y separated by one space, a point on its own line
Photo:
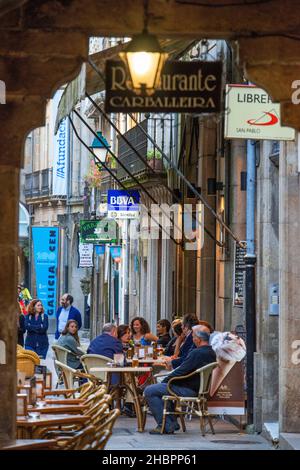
128 375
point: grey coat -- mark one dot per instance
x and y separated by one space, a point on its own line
69 342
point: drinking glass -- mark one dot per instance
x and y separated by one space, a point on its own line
119 360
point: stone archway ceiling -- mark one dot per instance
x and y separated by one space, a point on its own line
8 5
44 42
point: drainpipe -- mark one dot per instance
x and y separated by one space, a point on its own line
250 261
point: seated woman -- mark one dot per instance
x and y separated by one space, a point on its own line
124 335
69 340
141 332
172 348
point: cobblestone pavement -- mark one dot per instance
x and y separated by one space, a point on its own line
227 437
125 436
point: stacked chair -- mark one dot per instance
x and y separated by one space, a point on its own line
94 403
26 360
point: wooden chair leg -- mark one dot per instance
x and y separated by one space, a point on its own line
202 423
210 424
182 423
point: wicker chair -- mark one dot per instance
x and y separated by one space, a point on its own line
194 405
70 375
26 361
81 440
95 360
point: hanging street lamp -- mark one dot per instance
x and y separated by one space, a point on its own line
100 147
144 59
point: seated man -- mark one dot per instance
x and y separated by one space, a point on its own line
106 344
163 327
202 355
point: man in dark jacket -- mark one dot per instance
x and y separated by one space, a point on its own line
202 355
106 344
65 313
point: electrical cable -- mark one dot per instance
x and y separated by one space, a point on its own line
127 171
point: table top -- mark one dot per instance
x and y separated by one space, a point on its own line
154 362
58 408
121 369
44 419
30 444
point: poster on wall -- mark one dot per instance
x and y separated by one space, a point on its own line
227 389
85 255
45 256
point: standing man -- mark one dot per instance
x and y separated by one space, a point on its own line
66 312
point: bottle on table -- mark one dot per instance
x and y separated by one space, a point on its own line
154 350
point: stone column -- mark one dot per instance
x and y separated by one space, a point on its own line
206 262
166 279
9 212
152 267
237 219
266 357
289 277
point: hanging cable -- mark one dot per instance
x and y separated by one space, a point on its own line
146 163
114 176
177 170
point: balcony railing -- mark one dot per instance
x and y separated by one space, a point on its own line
46 184
38 183
127 156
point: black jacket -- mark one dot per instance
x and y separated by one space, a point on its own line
197 358
164 340
184 351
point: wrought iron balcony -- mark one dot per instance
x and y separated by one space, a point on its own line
139 141
38 183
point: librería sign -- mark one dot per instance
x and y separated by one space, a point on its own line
251 114
193 87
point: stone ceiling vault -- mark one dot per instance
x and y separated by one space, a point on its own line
44 42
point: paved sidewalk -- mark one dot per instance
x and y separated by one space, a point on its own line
227 437
125 436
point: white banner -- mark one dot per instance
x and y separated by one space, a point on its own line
251 114
85 251
60 161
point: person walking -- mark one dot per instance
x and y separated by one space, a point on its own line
36 324
65 313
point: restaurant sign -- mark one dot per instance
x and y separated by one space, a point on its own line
185 87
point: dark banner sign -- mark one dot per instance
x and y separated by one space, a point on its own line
185 87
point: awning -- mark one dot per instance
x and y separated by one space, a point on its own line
88 79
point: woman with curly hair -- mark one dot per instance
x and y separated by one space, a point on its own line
141 332
36 324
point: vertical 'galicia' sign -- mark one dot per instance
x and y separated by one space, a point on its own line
185 87
60 164
45 254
